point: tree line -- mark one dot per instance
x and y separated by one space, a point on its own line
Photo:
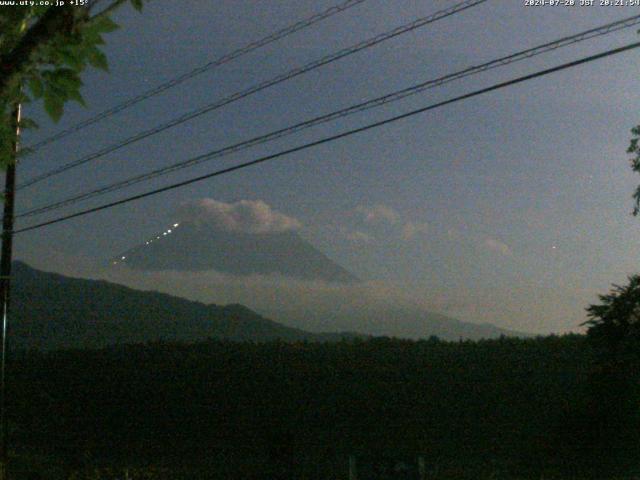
507 408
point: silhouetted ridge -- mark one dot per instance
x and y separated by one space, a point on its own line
54 311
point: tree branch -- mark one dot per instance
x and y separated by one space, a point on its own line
56 20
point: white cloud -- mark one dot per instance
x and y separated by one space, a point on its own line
498 246
378 214
244 216
381 214
411 229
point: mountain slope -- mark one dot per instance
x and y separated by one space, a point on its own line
192 247
379 319
53 311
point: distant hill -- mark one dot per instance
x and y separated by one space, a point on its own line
197 247
53 311
379 319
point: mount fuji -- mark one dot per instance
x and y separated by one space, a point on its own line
192 246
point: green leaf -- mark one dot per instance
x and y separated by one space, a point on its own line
72 57
53 90
54 106
66 79
92 35
137 4
36 86
98 59
77 96
104 24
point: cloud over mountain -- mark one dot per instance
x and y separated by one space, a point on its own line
411 229
244 216
378 214
498 246
358 237
381 216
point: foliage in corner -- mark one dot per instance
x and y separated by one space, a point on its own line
43 52
634 149
614 331
614 324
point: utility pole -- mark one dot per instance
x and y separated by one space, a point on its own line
5 282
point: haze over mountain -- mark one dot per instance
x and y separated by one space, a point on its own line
370 308
379 319
241 238
53 311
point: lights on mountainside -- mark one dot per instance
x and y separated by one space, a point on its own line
149 242
164 234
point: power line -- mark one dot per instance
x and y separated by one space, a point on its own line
338 136
258 88
360 107
307 22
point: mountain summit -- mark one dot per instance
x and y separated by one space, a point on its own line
190 246
242 238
